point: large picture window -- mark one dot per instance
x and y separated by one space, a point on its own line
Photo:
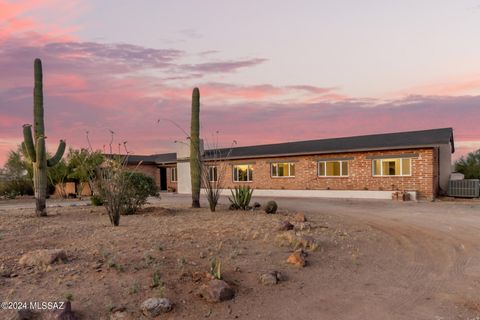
338 168
283 169
392 167
212 174
243 173
173 174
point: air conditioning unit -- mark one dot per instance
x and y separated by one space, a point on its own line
467 188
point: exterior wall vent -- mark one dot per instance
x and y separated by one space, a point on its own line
467 188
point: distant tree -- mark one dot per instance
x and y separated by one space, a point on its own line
83 165
58 175
469 165
18 172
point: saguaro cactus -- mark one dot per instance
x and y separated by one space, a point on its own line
195 165
34 147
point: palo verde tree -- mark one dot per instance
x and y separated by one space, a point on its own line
34 146
195 160
469 165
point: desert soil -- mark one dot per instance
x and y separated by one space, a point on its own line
375 260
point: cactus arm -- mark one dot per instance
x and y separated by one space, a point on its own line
58 155
41 152
27 145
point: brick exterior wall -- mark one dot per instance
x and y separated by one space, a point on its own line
424 178
154 172
150 170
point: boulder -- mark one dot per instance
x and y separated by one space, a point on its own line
297 259
285 226
153 307
271 278
42 257
216 291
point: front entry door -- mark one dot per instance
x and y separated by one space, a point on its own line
163 179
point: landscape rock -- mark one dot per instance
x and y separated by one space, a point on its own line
153 307
5 271
62 314
285 226
42 257
120 315
256 205
299 217
297 259
271 278
216 291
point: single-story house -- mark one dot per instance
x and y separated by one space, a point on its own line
368 166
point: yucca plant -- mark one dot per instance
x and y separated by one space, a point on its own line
241 197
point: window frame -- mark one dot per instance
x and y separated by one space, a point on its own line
172 170
215 175
249 177
396 175
289 170
341 168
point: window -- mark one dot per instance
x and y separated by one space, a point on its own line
243 173
173 174
392 167
212 174
337 168
284 169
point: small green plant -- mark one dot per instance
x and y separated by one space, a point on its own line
241 197
271 207
135 288
148 259
96 200
156 279
112 264
216 268
69 297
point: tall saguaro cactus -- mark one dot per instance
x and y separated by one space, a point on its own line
34 147
195 161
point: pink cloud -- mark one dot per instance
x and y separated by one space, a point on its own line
453 87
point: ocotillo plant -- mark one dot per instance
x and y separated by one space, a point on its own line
195 161
34 147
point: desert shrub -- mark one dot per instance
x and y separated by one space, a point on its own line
96 200
139 188
241 197
271 207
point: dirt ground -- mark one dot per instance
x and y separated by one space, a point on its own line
375 260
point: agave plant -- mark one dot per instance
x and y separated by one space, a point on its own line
241 197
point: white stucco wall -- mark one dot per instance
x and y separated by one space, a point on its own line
184 182
342 194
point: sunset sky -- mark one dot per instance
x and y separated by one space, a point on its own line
268 71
